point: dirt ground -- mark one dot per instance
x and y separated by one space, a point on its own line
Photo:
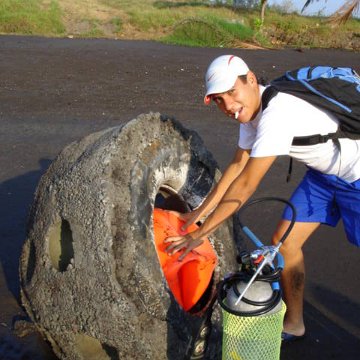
56 91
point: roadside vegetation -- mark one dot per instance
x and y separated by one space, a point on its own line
190 23
31 17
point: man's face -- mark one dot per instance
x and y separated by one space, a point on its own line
242 101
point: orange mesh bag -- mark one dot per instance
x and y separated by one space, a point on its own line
187 279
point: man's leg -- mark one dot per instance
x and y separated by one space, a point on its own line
293 275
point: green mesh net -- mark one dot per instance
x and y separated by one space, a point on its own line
252 338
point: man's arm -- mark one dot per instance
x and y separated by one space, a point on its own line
235 196
233 170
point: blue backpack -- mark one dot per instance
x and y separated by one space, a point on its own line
336 89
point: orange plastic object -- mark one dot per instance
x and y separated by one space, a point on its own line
187 279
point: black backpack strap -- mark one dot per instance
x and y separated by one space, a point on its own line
288 177
267 95
314 139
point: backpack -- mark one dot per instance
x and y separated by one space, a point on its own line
336 89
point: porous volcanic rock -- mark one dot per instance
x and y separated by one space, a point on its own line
90 276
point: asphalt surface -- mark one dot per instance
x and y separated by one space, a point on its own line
56 91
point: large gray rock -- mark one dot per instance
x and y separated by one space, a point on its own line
90 275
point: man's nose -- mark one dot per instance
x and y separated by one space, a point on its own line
228 102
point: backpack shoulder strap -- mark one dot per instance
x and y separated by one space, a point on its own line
314 139
267 95
271 92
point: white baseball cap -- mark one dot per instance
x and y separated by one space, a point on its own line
222 73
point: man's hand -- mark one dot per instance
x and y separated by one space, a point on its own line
186 242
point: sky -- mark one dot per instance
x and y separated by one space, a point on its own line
325 7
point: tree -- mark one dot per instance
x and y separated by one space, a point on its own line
263 6
343 13
251 4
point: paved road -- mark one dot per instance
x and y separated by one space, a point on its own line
55 91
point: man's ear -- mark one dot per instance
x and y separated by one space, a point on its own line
251 78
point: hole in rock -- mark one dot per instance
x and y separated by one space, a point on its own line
168 199
61 245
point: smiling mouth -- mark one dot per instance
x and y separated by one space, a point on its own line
236 114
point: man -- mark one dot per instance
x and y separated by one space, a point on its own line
329 191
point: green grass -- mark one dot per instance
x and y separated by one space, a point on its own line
190 23
30 17
117 22
209 32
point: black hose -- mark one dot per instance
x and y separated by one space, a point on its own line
264 306
271 198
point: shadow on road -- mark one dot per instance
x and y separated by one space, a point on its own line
17 194
23 342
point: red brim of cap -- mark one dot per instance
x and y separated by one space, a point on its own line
207 99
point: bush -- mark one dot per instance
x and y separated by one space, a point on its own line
209 32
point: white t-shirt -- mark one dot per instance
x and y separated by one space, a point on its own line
272 131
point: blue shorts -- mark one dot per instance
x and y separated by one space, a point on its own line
325 199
